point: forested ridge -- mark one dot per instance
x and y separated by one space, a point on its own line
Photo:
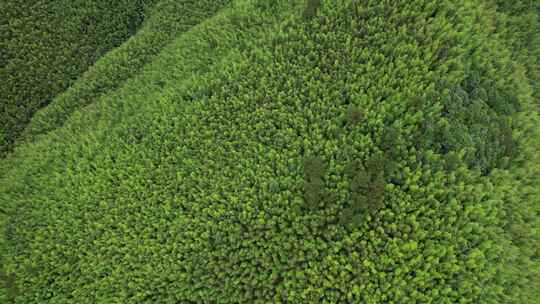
250 151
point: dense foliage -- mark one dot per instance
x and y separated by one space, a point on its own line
46 45
166 20
288 151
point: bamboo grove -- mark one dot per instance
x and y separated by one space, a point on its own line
255 151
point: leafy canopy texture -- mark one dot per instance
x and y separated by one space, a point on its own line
46 45
314 151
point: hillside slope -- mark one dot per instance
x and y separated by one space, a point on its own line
46 45
167 20
289 152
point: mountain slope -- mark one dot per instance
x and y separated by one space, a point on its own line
46 45
165 21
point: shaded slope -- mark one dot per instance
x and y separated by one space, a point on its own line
166 20
282 154
46 45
